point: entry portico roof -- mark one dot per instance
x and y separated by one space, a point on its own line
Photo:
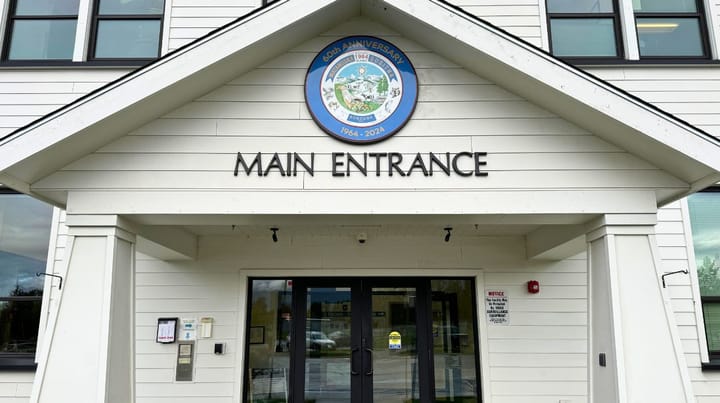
89 123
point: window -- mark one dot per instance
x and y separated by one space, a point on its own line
24 236
670 28
45 31
127 29
584 28
41 30
593 29
705 221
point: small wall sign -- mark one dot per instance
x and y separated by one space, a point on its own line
361 89
166 330
496 306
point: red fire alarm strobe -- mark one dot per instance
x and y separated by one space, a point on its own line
533 287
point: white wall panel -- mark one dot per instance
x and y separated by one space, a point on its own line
691 93
26 95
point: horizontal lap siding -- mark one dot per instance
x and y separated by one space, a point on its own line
673 248
191 19
541 355
26 95
692 94
192 290
195 146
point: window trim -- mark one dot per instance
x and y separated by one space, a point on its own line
10 18
28 361
708 362
627 37
95 19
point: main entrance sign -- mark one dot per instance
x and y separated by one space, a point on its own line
361 89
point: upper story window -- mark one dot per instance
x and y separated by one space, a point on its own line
584 28
670 28
24 234
705 221
41 30
117 30
632 29
127 29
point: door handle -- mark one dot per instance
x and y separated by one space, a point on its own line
352 361
370 371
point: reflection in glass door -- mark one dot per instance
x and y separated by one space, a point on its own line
361 340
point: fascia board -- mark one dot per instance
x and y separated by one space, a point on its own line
551 83
167 83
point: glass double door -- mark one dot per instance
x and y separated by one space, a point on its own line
364 341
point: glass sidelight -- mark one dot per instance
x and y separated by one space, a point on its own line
362 340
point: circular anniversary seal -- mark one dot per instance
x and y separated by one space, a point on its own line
361 89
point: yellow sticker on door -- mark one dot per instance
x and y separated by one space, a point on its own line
394 341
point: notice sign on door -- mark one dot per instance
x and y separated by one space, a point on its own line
496 306
394 341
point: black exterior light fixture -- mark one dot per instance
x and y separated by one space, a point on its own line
449 233
274 235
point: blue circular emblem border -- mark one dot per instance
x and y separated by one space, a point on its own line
343 131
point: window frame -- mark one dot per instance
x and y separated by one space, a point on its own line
700 15
95 19
614 16
25 361
627 37
9 19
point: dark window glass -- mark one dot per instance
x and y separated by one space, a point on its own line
24 236
668 28
584 28
580 6
42 40
41 30
132 39
127 29
664 6
46 7
127 7
705 222
583 37
268 340
669 37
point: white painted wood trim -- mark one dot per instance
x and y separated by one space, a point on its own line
544 29
82 33
589 330
628 30
4 10
244 288
482 329
672 325
712 8
45 351
105 327
616 314
167 19
49 290
694 282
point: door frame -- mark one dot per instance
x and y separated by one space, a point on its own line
477 275
361 342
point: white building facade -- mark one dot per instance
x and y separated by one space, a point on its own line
524 235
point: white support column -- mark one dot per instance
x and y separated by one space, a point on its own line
630 318
88 352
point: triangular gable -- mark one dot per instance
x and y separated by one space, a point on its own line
93 121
